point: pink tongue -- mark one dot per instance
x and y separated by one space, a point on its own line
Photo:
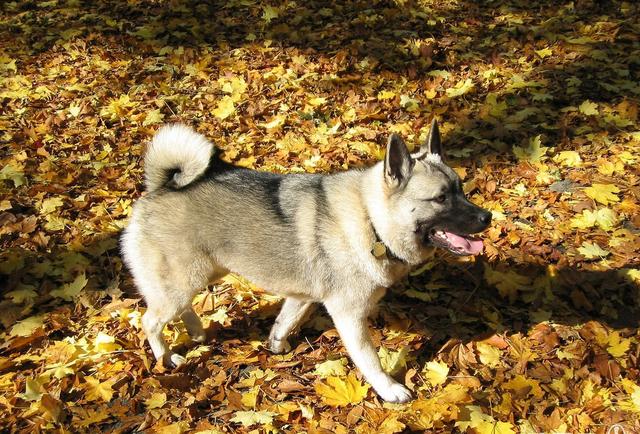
468 245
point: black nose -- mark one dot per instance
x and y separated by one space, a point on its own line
485 218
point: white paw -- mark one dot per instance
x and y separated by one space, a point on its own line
199 337
177 360
279 346
395 392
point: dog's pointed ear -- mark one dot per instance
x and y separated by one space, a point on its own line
398 163
433 144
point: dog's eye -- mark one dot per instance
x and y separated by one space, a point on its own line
441 198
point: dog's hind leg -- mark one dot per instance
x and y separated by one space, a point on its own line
157 316
194 325
291 315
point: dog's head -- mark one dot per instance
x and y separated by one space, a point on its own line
426 204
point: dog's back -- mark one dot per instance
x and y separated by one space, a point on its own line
289 234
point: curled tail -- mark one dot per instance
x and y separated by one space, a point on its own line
176 157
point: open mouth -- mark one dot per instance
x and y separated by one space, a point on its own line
458 244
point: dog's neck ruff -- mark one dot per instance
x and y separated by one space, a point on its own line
380 250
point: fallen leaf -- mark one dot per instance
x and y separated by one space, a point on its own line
568 158
96 389
489 355
339 392
331 368
70 290
592 251
393 361
436 372
225 108
603 193
156 400
534 152
33 390
588 108
460 88
252 417
27 326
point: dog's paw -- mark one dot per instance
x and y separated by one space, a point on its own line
396 393
279 346
199 337
176 360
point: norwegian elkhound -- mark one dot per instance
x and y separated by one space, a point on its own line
338 239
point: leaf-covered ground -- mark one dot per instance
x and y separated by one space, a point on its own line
538 102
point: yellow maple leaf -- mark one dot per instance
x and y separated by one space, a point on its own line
524 386
631 274
174 428
425 413
27 326
55 223
156 400
436 372
95 389
317 101
70 290
626 157
338 392
592 251
390 425
13 171
225 108
220 316
250 397
482 423
565 355
617 346
153 117
568 158
393 361
25 293
588 108
489 355
533 153
386 94
462 87
633 402
49 205
117 108
275 123
545 52
33 390
350 115
585 220
269 13
409 104
251 417
608 168
603 193
605 218
331 368
235 86
74 110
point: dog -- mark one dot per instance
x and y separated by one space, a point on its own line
339 239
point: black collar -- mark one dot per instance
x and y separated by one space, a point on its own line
380 250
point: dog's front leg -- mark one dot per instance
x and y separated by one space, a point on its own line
351 322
